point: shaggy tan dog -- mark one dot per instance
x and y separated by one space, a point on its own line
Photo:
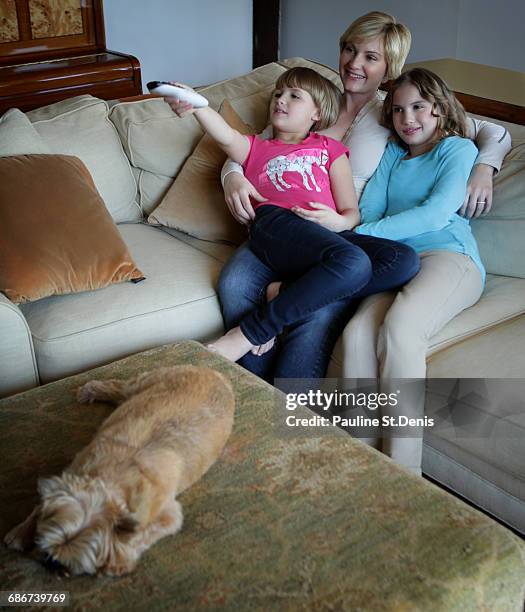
117 498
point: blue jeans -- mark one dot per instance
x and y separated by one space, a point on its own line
321 266
304 350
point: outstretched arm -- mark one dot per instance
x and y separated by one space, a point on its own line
232 167
232 142
494 143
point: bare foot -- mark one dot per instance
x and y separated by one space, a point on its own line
233 345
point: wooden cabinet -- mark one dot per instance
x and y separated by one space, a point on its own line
55 49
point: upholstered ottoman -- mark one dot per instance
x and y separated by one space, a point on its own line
280 522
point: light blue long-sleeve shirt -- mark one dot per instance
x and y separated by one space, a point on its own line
416 200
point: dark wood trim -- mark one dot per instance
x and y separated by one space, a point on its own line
24 20
266 19
35 72
29 49
106 75
492 108
135 64
98 22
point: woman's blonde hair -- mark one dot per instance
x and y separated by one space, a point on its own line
326 95
396 38
452 119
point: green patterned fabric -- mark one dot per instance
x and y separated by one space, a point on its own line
298 522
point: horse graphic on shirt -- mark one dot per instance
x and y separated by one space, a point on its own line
296 163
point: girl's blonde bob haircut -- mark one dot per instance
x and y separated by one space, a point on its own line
396 38
326 95
452 119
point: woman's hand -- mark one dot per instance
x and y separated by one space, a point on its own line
478 200
323 215
237 193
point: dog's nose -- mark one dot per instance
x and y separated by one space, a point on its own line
53 565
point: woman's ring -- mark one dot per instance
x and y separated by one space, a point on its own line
481 202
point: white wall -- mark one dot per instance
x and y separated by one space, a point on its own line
481 31
194 42
492 33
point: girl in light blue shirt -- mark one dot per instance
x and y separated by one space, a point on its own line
420 183
413 197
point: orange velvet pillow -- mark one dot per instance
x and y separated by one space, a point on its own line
56 234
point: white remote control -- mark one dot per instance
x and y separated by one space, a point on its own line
162 88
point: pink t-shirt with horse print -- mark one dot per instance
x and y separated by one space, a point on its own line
291 175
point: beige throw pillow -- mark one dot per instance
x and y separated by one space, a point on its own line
56 234
18 136
195 204
80 127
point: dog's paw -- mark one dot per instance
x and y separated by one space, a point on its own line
91 391
18 538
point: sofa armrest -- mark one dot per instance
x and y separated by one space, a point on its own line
18 368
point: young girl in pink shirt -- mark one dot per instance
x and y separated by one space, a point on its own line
303 228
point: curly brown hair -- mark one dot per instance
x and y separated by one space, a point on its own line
452 119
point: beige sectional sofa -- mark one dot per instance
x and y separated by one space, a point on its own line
134 150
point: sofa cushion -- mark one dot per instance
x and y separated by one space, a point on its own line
154 138
478 479
249 94
501 232
56 235
152 188
18 367
496 352
158 143
502 302
218 250
194 204
176 301
18 136
479 450
80 127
